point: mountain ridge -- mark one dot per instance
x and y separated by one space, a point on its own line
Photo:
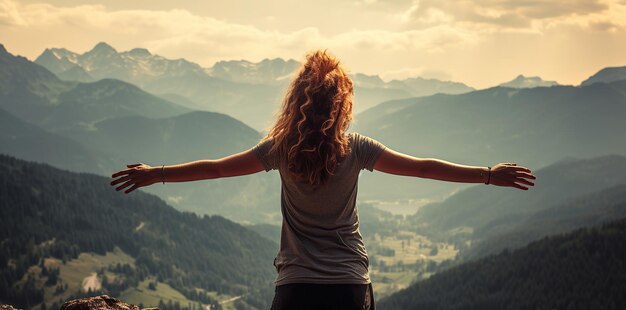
522 81
606 75
246 90
480 206
532 126
33 93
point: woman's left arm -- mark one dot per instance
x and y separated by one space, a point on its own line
140 175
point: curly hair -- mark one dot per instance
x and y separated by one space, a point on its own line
310 132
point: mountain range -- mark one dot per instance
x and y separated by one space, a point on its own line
248 91
32 93
137 66
533 126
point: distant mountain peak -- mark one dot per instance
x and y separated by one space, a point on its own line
278 60
2 49
139 52
522 81
58 53
103 47
47 52
244 71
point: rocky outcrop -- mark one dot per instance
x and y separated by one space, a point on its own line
102 302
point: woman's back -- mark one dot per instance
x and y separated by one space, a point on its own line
320 239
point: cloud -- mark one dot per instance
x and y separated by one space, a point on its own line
416 72
211 39
515 14
480 43
9 14
402 73
603 26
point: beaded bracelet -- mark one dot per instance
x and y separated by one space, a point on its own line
489 176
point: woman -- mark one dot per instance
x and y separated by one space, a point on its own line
322 262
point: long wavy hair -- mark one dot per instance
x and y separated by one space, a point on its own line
310 131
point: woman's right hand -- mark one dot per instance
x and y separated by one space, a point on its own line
137 175
510 174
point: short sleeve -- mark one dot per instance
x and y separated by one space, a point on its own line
262 152
367 151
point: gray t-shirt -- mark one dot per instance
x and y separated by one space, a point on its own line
320 239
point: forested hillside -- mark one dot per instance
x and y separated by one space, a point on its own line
48 214
587 210
534 127
581 270
569 194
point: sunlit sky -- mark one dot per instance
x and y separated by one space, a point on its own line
481 43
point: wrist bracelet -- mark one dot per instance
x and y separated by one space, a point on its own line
162 174
489 176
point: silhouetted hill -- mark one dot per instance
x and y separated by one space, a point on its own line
606 75
26 141
200 134
49 213
533 127
189 137
27 88
487 209
581 270
105 99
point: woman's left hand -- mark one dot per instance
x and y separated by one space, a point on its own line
136 176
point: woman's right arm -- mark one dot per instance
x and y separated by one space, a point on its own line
140 175
503 174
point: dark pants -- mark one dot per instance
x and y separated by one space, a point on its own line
323 296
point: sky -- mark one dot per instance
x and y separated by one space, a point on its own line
481 43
